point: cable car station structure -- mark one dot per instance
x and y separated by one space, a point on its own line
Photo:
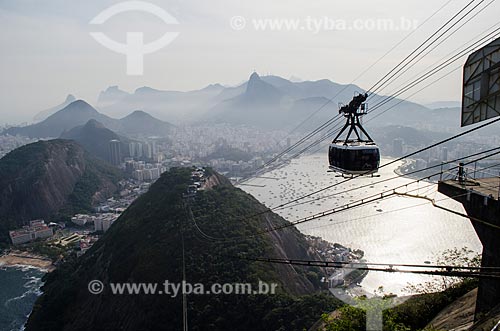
480 197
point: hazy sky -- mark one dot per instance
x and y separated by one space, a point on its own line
47 52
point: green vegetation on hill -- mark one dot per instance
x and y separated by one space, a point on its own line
80 201
413 314
50 180
23 165
95 138
145 246
418 311
29 156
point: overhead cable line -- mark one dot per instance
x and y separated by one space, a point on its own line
442 41
382 166
363 201
333 133
366 200
410 84
324 125
371 66
391 178
433 71
402 90
449 271
418 50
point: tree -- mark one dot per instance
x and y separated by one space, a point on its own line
458 257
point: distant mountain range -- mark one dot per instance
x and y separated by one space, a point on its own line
268 102
50 179
265 102
173 106
79 112
46 113
140 123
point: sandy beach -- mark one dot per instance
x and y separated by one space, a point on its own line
18 258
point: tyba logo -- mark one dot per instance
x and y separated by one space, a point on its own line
134 48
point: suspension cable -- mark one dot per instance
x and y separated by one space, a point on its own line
342 208
395 70
450 271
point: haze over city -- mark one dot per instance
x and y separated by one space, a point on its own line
47 51
260 165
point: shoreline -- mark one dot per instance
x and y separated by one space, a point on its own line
398 171
24 259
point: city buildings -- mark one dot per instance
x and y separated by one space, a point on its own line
82 219
144 172
143 149
444 153
37 229
115 153
337 278
100 222
71 240
104 221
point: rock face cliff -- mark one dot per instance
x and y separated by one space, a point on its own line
50 178
145 245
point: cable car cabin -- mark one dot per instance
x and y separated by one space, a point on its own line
357 158
354 156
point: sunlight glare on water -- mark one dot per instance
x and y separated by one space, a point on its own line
384 230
